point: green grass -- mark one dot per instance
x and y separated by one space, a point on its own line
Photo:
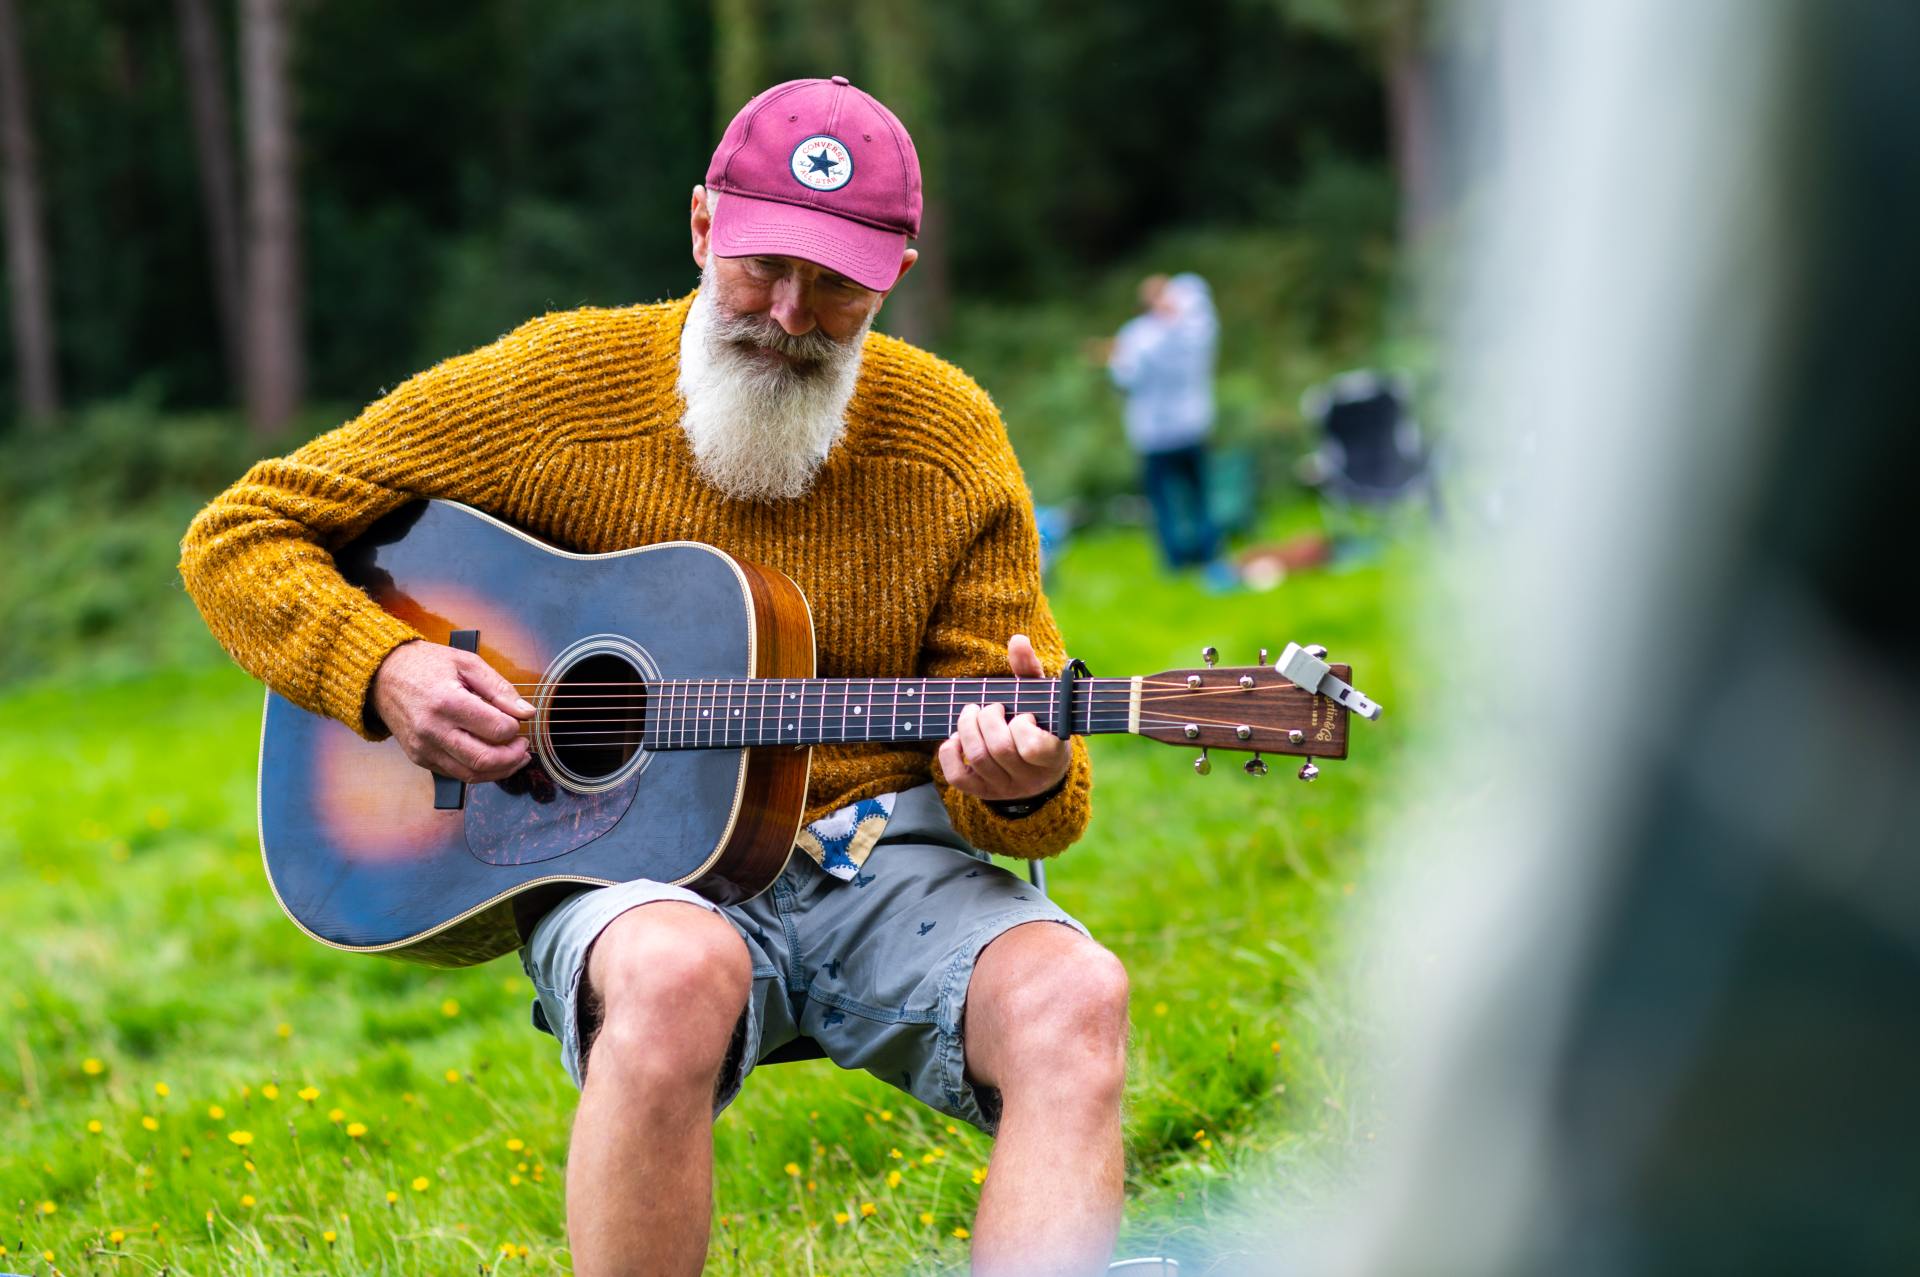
144 951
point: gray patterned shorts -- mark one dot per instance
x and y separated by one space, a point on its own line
874 970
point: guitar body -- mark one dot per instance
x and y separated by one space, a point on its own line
357 852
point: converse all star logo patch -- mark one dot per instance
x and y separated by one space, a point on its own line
822 163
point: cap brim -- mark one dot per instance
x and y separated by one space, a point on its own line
867 255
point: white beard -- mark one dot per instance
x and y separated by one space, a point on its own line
759 430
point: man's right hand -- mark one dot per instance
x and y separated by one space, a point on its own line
451 712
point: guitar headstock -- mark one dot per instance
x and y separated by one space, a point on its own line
1251 708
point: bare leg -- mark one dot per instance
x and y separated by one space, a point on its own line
1046 1024
672 979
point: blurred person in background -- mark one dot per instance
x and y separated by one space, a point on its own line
759 414
1162 360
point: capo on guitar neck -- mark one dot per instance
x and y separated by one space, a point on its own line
1063 702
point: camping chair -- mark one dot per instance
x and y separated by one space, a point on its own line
1372 454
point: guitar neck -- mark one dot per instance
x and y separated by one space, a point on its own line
731 713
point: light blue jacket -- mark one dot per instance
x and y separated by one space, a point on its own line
1164 363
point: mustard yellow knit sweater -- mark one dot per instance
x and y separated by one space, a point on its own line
916 546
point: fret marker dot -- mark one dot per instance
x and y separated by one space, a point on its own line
859 709
703 713
910 691
909 726
789 726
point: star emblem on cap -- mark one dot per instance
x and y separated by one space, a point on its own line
821 163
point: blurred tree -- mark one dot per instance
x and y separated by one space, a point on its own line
1394 33
274 365
739 57
899 71
28 268
206 82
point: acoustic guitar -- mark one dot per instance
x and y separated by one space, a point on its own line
676 708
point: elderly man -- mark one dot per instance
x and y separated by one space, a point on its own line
761 415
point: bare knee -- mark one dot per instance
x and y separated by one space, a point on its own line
1054 1019
669 981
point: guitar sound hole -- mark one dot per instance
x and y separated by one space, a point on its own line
594 719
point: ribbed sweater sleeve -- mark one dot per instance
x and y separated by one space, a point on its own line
994 594
258 560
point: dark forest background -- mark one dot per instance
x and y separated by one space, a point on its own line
231 223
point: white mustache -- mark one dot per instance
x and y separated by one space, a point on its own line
766 333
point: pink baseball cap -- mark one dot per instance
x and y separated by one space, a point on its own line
819 170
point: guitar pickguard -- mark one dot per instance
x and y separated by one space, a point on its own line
527 818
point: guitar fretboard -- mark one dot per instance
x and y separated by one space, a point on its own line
723 713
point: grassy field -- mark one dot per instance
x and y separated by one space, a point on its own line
192 1087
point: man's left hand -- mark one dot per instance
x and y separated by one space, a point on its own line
990 756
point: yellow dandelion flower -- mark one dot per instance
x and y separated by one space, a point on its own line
249 1166
515 1145
895 1154
186 1154
150 1122
336 1116
308 1093
886 1115
420 1183
449 1008
215 1112
94 1127
406 1097
453 1075
116 1237
1274 1047
92 1067
842 1218
47 1208
506 1248
1207 1145
926 1217
242 1138
979 1174
1159 1008
162 1090
246 1199
3 1250
270 1091
893 1179
520 1166
793 1168
926 1159
329 1237
392 1197
868 1210
952 1129
523 1252
809 1186
962 1233
356 1129
513 1180
47 1255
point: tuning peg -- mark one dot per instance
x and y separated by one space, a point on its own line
1256 766
1316 651
1295 736
1210 654
1308 771
1263 656
1202 765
